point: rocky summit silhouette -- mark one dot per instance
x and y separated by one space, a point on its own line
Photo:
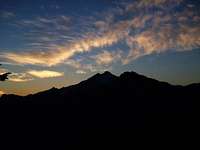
129 89
105 101
110 95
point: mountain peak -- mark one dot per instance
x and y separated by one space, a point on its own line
105 86
108 74
102 78
129 74
53 88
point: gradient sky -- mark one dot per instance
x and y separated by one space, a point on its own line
47 43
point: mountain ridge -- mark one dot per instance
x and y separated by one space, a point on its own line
129 101
107 88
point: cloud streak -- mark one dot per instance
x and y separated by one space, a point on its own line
62 53
20 77
106 57
145 33
32 74
45 73
6 14
2 70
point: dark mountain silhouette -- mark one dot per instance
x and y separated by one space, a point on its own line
128 88
105 102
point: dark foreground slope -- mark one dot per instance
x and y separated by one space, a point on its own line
108 89
107 102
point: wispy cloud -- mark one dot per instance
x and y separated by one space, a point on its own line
78 64
6 14
144 32
46 22
81 72
43 32
2 70
145 4
9 63
31 74
17 77
106 57
45 73
189 37
162 31
20 77
62 53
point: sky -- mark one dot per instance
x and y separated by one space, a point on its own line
57 43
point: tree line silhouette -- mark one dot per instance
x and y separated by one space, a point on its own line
4 76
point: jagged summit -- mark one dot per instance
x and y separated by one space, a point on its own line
105 74
109 88
102 78
129 74
108 75
53 88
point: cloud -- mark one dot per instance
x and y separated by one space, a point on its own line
162 31
6 14
106 57
45 73
152 40
43 32
16 77
164 39
2 70
29 75
20 77
1 93
81 72
9 63
46 22
139 22
189 37
78 64
144 32
146 4
62 53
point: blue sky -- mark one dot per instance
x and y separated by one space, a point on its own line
47 43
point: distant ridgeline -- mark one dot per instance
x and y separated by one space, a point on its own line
105 101
129 89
